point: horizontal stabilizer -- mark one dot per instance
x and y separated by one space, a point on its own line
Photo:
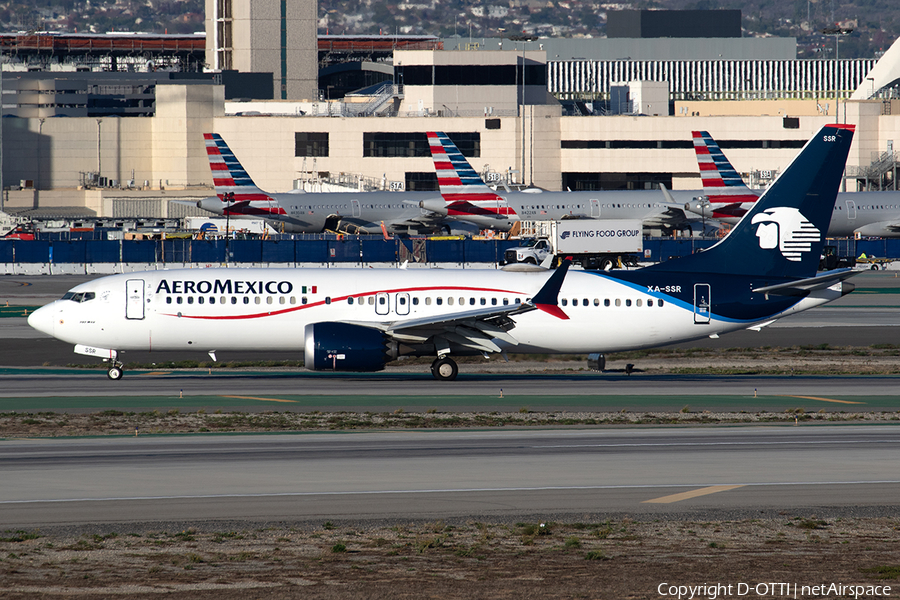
802 287
761 325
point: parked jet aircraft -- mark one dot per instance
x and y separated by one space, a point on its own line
300 212
763 270
466 196
726 198
469 208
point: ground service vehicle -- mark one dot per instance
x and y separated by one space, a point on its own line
592 243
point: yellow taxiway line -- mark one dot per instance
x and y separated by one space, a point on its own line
823 399
692 494
257 398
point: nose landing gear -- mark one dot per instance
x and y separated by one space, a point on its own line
115 371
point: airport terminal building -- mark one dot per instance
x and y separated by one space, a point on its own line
523 111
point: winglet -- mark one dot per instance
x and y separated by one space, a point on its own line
547 299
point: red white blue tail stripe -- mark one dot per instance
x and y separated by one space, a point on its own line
234 187
461 187
722 184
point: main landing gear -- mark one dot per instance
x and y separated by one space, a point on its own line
444 368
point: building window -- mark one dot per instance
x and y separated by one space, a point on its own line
421 181
381 144
310 144
615 181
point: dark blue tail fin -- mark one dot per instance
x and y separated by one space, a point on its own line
783 234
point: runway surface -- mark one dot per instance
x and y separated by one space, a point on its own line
34 390
415 475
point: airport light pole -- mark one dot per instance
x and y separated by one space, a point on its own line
524 39
837 32
2 193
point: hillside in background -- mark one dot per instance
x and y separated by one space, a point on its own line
875 23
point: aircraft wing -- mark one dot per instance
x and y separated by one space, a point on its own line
478 328
880 229
668 215
426 221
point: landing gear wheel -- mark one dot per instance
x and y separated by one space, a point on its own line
444 369
115 373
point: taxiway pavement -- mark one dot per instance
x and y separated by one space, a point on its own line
580 474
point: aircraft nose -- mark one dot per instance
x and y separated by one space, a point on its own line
211 204
42 319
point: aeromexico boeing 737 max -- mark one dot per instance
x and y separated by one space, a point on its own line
299 212
764 269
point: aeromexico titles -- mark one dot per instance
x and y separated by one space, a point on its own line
358 320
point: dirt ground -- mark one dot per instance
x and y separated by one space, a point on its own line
614 559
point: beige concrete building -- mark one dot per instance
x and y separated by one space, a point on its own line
511 127
272 36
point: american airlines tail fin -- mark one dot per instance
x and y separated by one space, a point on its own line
722 184
232 182
461 187
784 233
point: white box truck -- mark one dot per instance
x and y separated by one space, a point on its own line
592 243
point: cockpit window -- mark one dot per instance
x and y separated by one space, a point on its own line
79 296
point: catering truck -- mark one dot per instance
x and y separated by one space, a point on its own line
592 243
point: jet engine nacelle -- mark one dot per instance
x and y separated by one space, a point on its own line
435 205
699 207
345 347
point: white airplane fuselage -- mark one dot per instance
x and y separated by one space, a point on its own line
268 309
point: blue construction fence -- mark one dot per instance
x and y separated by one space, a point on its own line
349 249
